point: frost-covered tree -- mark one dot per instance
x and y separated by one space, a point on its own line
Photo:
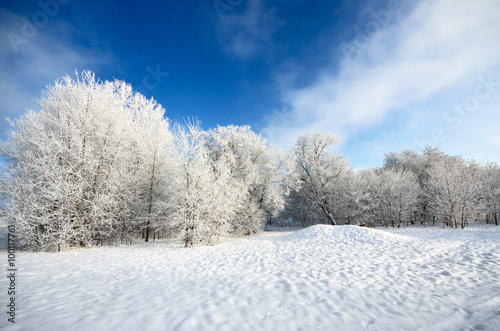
398 192
207 197
456 184
364 198
318 176
256 169
300 208
155 165
383 197
71 169
420 165
490 191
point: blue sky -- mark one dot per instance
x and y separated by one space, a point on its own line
382 75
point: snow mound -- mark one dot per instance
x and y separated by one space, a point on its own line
344 233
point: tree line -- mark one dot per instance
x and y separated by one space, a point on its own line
98 163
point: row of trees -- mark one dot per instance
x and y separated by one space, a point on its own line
99 163
426 189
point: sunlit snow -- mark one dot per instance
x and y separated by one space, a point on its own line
319 278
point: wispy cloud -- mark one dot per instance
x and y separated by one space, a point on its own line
248 33
25 71
439 47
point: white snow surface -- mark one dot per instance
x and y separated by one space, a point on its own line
319 278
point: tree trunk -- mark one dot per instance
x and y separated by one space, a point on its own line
150 197
147 232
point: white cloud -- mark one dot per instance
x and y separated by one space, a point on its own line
441 46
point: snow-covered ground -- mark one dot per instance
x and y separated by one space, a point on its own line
319 278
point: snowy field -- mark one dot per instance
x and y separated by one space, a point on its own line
319 278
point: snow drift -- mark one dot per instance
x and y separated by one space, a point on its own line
345 233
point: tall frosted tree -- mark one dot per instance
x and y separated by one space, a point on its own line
206 197
154 162
256 169
70 168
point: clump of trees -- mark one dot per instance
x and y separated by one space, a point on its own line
410 189
98 163
317 179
